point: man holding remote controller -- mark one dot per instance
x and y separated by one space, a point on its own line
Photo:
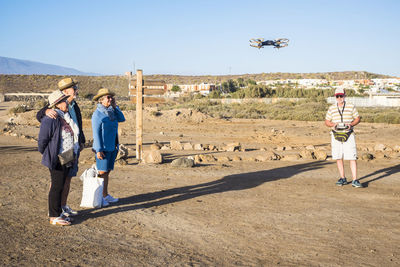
342 117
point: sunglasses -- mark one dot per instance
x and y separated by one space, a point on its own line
109 97
339 96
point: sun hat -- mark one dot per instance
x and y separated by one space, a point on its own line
103 92
66 83
56 97
339 91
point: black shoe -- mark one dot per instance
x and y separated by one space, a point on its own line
341 181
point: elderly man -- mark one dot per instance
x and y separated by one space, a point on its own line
342 117
69 87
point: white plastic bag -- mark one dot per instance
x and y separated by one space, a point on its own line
92 193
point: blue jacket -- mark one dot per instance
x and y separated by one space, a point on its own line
49 141
105 128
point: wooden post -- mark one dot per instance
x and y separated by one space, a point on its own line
139 115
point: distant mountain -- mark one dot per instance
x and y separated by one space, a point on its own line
18 66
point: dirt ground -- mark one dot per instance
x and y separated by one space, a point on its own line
234 213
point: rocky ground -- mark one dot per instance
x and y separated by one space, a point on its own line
271 201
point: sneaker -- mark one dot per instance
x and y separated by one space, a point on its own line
110 199
67 211
104 203
341 181
356 183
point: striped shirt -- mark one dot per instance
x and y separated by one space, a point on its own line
349 113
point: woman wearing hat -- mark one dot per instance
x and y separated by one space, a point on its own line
105 121
58 143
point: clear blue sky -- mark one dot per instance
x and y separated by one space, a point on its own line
203 37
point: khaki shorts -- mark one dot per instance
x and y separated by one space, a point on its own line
346 150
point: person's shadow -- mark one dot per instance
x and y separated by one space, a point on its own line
233 182
383 173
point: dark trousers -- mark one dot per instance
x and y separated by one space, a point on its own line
58 176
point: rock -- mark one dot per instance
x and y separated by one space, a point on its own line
207 158
198 147
187 146
236 158
176 145
152 157
379 147
223 159
379 155
396 148
233 147
212 147
249 159
320 155
122 152
307 154
183 162
280 148
156 146
269 155
162 133
197 159
165 147
310 147
367 156
288 148
121 162
291 157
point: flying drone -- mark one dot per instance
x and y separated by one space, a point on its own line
277 43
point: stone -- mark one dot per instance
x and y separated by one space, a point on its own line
122 152
249 159
152 157
198 147
396 148
379 147
288 148
236 158
176 145
310 147
212 147
379 155
233 147
320 155
183 162
187 146
165 147
207 158
367 156
223 159
197 159
280 148
307 154
291 157
155 146
121 162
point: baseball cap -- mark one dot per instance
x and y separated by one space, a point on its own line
339 91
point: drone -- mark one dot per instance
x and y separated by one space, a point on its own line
277 43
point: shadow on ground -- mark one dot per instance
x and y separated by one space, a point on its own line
234 182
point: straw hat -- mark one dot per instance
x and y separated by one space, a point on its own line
103 92
66 83
56 97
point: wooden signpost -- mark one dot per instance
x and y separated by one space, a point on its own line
144 92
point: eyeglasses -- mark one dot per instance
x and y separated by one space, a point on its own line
339 96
